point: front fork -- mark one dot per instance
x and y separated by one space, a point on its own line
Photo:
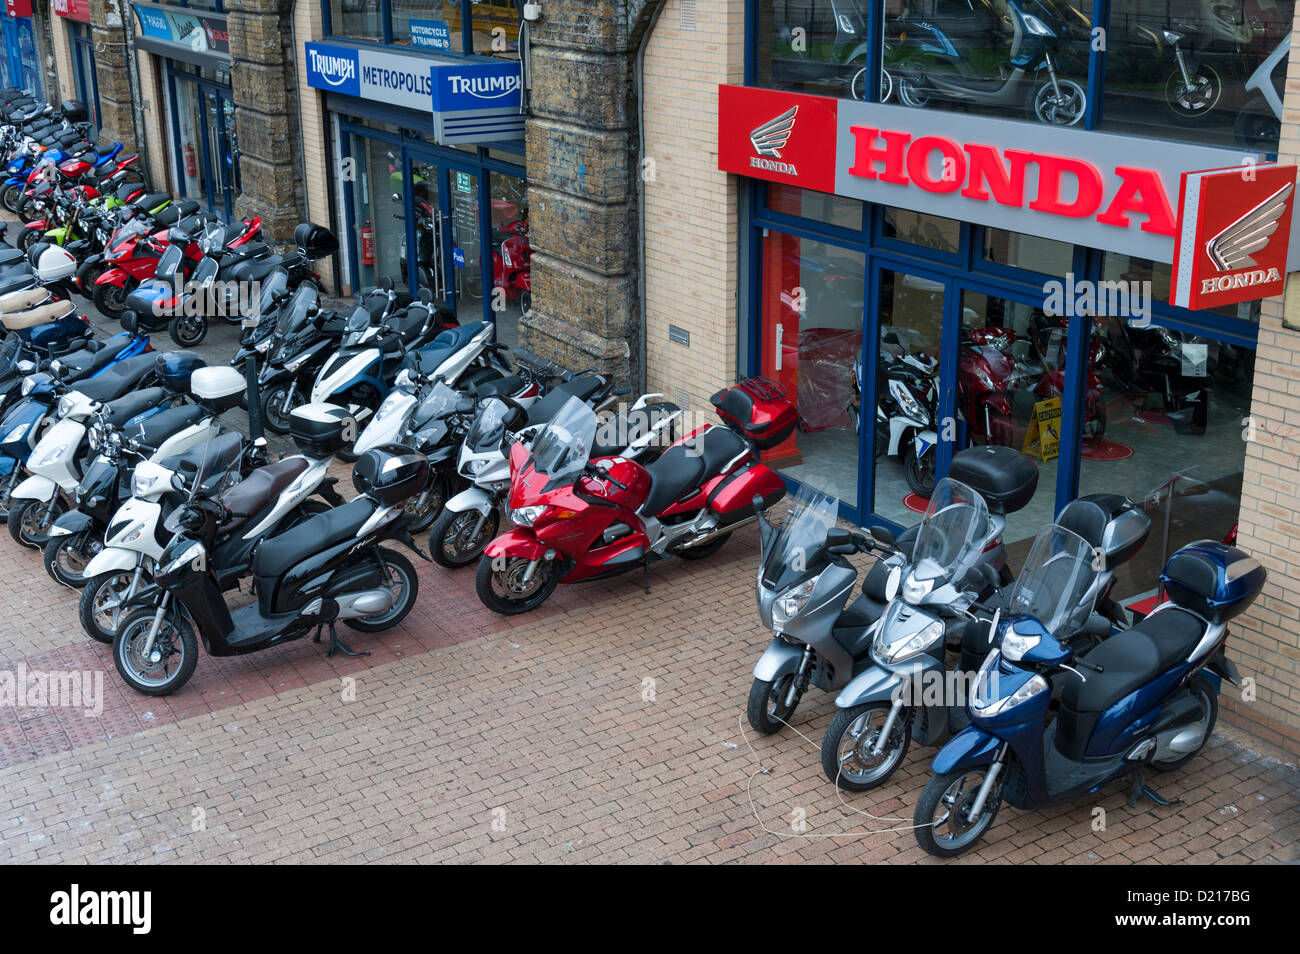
1182 66
800 681
1051 74
986 788
158 618
883 736
288 396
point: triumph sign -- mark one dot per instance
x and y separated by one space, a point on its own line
1086 188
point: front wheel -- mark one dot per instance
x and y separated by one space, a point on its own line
919 472
274 415
1192 102
768 709
100 605
457 540
505 586
170 661
30 521
111 300
188 330
401 581
1059 104
942 817
66 557
849 758
9 197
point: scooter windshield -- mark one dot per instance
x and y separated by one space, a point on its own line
439 401
489 427
1055 586
212 239
797 548
300 305
563 447
951 535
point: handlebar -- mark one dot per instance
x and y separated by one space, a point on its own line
595 470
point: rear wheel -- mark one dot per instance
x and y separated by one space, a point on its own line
942 816
453 542
401 581
30 521
504 587
1208 700
170 661
704 549
188 330
847 748
66 557
100 605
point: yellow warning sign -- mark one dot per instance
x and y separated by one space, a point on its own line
1043 439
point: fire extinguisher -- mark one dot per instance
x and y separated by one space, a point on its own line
191 161
367 244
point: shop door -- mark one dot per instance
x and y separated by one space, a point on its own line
204 141
430 232
445 231
465 241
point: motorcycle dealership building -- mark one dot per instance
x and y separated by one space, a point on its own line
809 190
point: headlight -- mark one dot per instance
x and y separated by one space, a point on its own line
144 484
789 604
1035 26
16 433
526 516
96 437
909 644
915 590
65 405
263 346
473 467
29 382
905 400
1015 645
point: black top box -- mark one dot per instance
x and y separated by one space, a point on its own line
316 241
1003 476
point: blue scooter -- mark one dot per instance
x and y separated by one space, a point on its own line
1146 698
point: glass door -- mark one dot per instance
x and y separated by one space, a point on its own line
465 240
430 231
207 157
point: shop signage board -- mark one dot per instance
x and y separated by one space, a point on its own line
200 32
473 101
72 9
18 8
1087 188
1235 229
431 35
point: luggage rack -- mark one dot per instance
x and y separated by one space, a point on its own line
763 388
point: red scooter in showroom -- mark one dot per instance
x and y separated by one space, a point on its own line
581 519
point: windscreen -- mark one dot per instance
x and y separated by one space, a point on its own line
563 447
489 428
952 532
298 310
1055 585
798 548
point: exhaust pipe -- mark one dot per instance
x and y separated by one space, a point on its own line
719 531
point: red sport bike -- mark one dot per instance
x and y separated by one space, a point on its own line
578 519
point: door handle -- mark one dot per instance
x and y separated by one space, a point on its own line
780 341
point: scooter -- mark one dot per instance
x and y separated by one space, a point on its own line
271 498
577 520
327 569
1145 699
931 60
907 417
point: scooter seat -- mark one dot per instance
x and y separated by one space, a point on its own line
256 491
280 553
23 300
40 315
18 281
1132 658
150 433
256 269
9 255
137 402
120 378
496 387
94 357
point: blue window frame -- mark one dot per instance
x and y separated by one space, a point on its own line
497 12
84 73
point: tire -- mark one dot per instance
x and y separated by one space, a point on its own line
6 496
1209 700
764 711
932 803
26 239
919 473
852 725
449 542
272 401
1192 106
529 600
1095 429
9 197
87 286
434 496
1005 576
29 519
176 634
401 572
188 331
63 553
111 300
704 549
911 92
101 591
1067 109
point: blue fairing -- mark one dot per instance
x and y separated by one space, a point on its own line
27 415
969 748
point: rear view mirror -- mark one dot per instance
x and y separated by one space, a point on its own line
884 535
840 541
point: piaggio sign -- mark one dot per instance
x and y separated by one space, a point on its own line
1087 188
1234 235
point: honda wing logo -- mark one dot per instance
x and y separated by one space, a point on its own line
1232 248
768 141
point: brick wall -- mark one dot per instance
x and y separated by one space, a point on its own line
155 121
692 225
318 183
62 50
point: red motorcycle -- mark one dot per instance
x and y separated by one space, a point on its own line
512 256
134 254
1052 384
985 376
578 519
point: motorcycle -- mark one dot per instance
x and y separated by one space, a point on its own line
1144 699
577 520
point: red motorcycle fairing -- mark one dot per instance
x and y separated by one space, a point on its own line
520 543
137 269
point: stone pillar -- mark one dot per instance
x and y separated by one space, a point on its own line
110 23
264 81
581 147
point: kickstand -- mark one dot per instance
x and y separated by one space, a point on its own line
645 575
1142 790
337 645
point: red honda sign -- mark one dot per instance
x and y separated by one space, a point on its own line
782 137
18 8
1235 229
72 9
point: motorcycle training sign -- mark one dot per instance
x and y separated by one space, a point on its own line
1097 189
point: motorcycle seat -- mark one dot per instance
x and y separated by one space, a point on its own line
1131 658
120 378
581 387
16 281
156 428
23 300
137 402
256 269
256 491
40 315
11 256
718 447
674 473
279 553
496 386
